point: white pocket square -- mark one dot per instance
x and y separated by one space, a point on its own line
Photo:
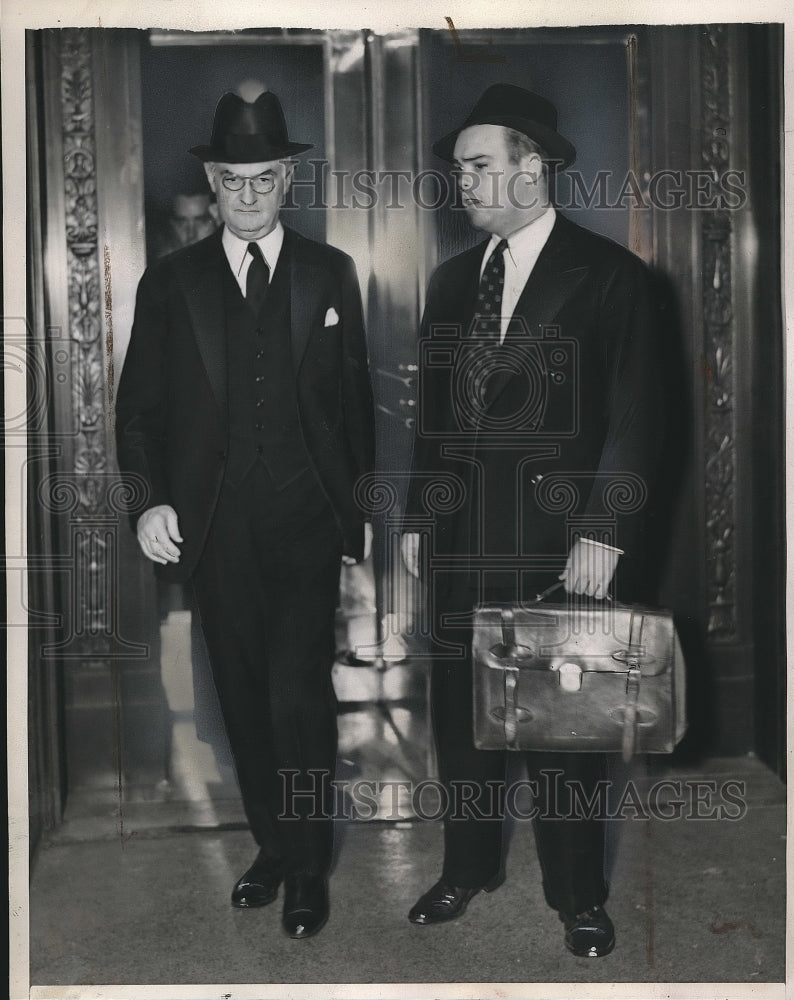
331 317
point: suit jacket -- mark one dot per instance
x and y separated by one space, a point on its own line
569 426
172 407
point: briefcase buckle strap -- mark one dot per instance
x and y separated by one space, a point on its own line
633 656
508 654
508 628
630 711
508 657
511 708
635 653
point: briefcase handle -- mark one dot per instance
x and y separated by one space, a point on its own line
556 586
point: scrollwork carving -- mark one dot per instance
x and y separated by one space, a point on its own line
376 494
84 492
59 495
558 494
718 319
128 495
443 494
625 493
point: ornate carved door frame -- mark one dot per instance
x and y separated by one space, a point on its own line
716 113
111 727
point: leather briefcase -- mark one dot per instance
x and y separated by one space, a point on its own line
587 676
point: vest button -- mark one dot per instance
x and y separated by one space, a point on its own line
258 426
260 354
259 331
259 449
260 378
260 403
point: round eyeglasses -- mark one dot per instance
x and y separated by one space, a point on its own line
262 184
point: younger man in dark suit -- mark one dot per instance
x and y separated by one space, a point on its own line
245 409
539 365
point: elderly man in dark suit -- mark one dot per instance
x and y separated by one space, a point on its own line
245 408
539 357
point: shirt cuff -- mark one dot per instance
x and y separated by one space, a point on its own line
603 545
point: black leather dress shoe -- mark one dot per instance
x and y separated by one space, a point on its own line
259 885
305 905
446 902
589 934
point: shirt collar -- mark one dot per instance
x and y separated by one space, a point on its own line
236 249
527 240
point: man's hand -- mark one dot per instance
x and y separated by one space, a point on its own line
590 568
409 547
158 529
349 560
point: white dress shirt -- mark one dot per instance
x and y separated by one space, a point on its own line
521 255
239 258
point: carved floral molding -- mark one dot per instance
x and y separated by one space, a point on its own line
90 517
718 330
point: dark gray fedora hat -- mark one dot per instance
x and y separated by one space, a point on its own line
248 132
519 109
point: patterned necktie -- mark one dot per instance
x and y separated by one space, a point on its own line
257 279
489 295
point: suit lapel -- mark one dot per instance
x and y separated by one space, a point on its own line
553 280
306 292
202 277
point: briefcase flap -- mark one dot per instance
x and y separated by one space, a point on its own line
609 637
577 677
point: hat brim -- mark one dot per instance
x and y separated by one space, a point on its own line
559 152
260 153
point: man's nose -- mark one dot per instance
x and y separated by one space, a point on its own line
466 181
247 193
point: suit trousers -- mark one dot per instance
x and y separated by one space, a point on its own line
266 587
570 848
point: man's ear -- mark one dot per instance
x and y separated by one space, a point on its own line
209 170
535 170
533 166
289 170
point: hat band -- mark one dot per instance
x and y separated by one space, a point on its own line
239 148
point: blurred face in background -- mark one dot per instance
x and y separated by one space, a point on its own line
192 218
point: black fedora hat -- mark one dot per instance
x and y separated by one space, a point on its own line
519 109
248 132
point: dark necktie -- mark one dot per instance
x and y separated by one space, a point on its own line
257 279
489 295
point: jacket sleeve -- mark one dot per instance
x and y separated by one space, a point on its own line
631 337
142 398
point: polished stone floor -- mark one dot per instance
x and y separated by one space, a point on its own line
134 889
693 900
